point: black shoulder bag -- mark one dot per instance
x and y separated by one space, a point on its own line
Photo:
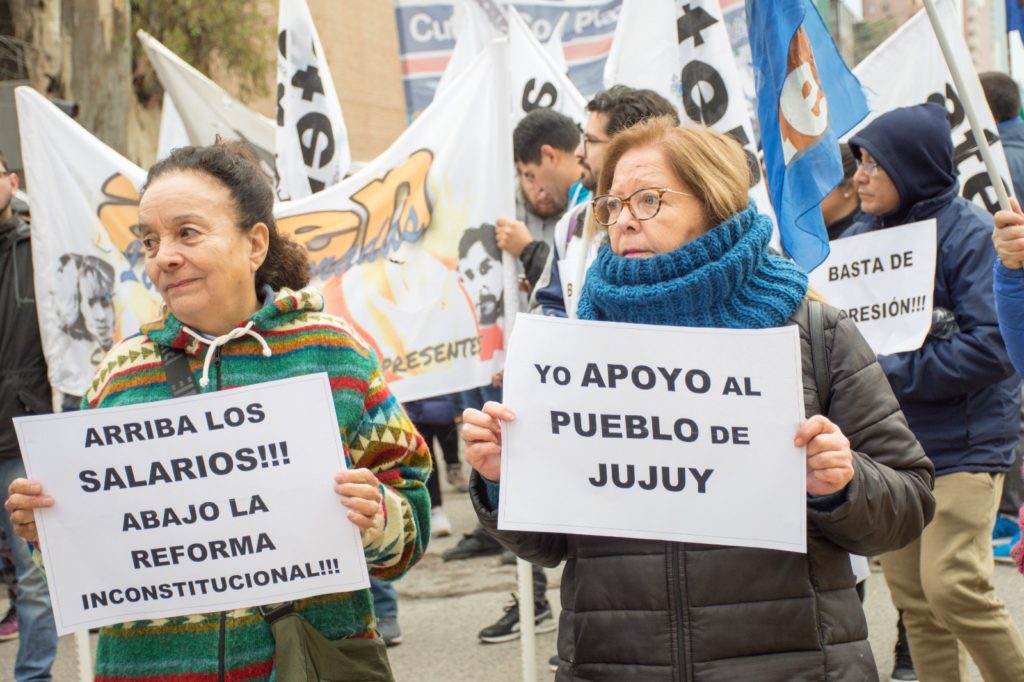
301 653
819 356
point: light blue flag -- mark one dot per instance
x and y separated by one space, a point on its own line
806 99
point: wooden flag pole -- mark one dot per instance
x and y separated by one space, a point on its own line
972 115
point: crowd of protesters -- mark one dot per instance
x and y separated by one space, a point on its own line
911 457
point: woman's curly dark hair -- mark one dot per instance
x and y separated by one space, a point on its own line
233 164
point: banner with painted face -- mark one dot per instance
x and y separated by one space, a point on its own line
91 286
206 109
888 84
312 142
405 249
426 37
681 50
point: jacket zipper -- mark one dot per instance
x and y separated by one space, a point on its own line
682 620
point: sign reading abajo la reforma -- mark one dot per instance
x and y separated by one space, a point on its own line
204 503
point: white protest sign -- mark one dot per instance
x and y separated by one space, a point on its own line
664 433
205 503
884 280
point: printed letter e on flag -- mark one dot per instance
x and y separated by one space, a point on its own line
806 99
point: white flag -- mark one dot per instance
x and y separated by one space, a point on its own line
475 31
1016 57
206 109
909 69
681 50
312 143
537 82
172 129
555 48
645 49
405 248
90 280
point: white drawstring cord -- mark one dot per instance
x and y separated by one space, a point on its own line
235 333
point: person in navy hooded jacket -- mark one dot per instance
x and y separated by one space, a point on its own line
960 396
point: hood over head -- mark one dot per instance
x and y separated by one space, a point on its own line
914 147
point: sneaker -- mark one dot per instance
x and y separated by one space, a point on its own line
440 526
9 626
553 663
903 667
456 478
1005 530
507 627
507 558
389 631
1003 553
477 543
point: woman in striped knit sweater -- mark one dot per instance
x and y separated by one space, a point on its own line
236 305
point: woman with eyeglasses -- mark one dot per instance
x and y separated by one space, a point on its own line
686 249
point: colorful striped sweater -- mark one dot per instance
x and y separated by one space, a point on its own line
237 645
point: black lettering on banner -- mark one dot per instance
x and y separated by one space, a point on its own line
753 165
309 80
316 125
697 76
980 186
280 107
692 23
546 97
956 116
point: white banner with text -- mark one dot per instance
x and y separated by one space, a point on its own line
884 280
663 433
204 503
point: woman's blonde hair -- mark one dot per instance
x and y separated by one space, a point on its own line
712 165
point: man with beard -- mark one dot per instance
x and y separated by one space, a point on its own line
611 111
24 389
543 142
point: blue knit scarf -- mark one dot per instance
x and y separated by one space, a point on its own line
724 278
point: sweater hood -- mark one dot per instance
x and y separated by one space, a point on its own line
914 147
284 306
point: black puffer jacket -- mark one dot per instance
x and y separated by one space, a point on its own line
651 611
24 388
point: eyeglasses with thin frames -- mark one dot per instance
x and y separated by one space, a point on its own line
869 167
643 204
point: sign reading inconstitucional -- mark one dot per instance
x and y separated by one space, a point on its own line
665 433
205 503
884 280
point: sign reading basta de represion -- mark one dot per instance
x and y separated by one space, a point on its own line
204 503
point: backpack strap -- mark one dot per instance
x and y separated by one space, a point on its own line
819 358
179 375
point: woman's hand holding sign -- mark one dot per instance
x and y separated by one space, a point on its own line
481 431
829 459
24 497
360 492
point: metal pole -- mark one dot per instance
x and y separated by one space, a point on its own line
972 115
528 649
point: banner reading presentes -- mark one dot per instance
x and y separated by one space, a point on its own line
884 280
404 250
652 432
206 503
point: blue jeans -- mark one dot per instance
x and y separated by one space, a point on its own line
37 635
385 598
